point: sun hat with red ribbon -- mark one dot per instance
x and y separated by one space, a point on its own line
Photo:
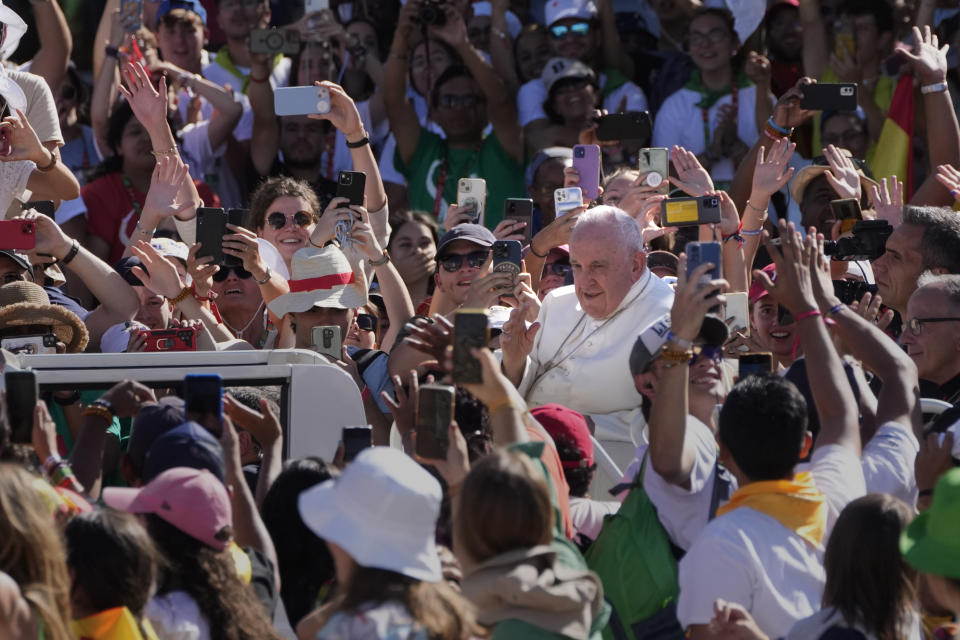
321 278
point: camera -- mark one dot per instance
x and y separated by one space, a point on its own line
579 152
431 13
274 41
869 241
850 291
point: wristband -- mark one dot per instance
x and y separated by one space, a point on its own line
676 356
362 142
534 251
672 337
99 410
180 297
382 260
939 87
200 298
266 277
50 165
773 125
502 404
735 234
111 51
771 136
258 80
51 462
366 394
835 309
812 313
751 232
74 250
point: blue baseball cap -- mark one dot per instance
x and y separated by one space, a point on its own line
189 445
189 5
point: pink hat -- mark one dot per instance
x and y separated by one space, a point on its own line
192 500
757 291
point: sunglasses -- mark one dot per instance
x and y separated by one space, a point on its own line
915 325
713 353
559 269
279 220
366 322
224 273
578 29
467 101
453 261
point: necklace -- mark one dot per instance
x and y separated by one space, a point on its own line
134 201
246 326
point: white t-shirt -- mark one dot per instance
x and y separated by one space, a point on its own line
176 616
888 462
532 95
830 618
587 515
208 164
680 121
748 557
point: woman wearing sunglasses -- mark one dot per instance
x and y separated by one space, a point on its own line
365 330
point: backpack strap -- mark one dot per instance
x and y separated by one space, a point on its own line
721 488
364 358
637 481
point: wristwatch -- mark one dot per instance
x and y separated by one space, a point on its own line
380 261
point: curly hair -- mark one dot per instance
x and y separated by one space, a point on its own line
210 578
274 188
579 478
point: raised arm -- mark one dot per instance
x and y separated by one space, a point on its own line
56 43
614 57
106 83
51 180
771 172
227 109
404 122
501 48
816 54
265 140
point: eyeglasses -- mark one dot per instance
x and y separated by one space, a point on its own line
712 353
714 36
467 101
279 220
577 29
915 325
559 269
452 262
366 322
224 273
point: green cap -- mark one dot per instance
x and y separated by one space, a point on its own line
930 543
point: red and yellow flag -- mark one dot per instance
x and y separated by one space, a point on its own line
894 151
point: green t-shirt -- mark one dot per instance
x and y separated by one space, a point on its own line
119 429
505 178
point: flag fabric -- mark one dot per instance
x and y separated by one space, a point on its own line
894 154
113 624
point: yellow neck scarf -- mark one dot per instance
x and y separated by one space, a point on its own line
112 624
796 504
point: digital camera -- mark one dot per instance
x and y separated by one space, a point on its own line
431 13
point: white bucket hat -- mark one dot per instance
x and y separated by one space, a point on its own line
382 510
320 278
15 27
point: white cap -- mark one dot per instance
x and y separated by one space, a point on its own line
560 9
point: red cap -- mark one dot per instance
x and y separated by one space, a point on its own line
756 289
564 424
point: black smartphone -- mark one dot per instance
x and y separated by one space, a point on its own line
236 217
755 364
520 210
355 440
507 257
40 206
350 185
203 400
824 96
21 397
470 331
630 125
211 227
847 210
434 415
679 212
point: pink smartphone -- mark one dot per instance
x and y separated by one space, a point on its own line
586 160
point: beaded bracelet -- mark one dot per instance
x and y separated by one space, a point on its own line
773 125
99 411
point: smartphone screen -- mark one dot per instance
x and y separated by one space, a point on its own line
653 162
847 210
472 193
355 440
435 406
755 364
21 398
520 210
470 331
203 400
211 227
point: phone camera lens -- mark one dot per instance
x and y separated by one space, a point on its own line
578 153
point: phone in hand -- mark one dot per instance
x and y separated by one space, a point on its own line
276 41
211 227
699 253
680 212
472 193
507 257
313 6
737 315
203 400
40 206
301 101
470 331
586 160
355 440
435 404
351 185
131 10
520 210
328 341
236 217
847 210
181 339
755 364
6 147
567 199
21 395
654 163
829 97
30 345
630 125
19 235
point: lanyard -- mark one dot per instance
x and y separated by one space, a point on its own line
137 207
705 113
224 60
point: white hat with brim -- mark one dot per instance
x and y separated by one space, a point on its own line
15 28
320 278
382 510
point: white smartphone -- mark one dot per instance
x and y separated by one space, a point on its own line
737 314
30 345
301 101
328 341
312 6
472 192
567 199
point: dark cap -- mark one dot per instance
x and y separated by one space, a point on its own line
152 421
189 445
22 261
475 233
713 332
663 260
124 269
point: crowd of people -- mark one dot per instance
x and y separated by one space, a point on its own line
742 423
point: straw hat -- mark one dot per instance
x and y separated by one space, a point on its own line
320 278
25 303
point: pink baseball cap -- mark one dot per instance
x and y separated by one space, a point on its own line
757 292
192 500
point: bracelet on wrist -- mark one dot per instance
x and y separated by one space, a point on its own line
99 410
938 87
835 309
812 313
762 212
180 297
783 131
502 404
257 80
207 298
266 277
534 251
923 493
382 260
680 342
74 250
50 463
676 356
172 151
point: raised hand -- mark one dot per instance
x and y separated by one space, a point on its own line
262 425
24 143
343 112
888 201
362 236
691 176
928 60
842 174
165 184
433 338
163 278
773 168
454 29
729 216
510 230
148 104
793 287
404 408
127 396
485 292
693 299
242 243
201 272
787 112
516 340
337 211
758 69
950 178
457 215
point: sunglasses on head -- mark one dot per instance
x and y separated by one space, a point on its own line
559 269
453 261
279 220
224 273
579 29
366 322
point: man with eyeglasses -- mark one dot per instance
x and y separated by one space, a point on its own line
463 277
576 32
931 336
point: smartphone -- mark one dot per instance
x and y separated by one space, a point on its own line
755 364
736 314
236 217
829 97
203 400
701 252
301 101
5 147
40 206
22 391
327 340
470 331
472 193
276 41
211 227
567 199
630 125
520 210
20 235
654 162
133 8
847 211
355 440
350 185
680 212
507 256
30 345
312 6
845 39
182 339
434 415
586 160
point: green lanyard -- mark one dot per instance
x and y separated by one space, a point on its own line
224 60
